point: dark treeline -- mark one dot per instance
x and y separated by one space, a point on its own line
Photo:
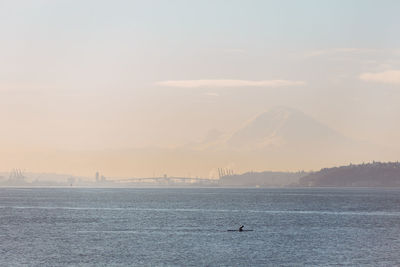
375 174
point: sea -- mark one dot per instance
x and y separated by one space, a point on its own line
189 227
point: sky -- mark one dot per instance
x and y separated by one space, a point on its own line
117 75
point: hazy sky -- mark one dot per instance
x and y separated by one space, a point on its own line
94 75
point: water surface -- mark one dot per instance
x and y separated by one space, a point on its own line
188 227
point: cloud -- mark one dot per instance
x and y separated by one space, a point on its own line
343 50
212 94
389 77
228 83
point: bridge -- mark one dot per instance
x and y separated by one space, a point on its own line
167 180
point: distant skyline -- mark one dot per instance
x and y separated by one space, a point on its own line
84 76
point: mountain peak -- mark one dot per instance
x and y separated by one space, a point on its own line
282 125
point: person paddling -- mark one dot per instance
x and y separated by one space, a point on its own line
241 228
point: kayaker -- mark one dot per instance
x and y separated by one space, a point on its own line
241 228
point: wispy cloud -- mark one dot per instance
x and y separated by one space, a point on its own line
212 94
343 50
228 83
389 77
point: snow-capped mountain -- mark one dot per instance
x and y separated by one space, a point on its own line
283 127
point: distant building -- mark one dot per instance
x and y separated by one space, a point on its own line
16 177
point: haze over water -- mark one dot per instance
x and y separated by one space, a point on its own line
188 227
147 88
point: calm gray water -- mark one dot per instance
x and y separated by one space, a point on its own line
187 227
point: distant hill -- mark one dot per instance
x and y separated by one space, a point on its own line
374 174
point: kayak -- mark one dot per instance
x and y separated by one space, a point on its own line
239 231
